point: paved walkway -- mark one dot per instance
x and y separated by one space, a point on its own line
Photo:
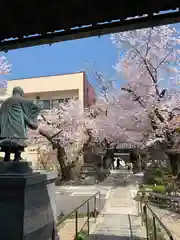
119 220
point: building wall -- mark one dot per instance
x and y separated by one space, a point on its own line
51 87
56 87
49 83
89 93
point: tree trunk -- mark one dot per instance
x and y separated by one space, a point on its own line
135 160
174 162
67 169
108 159
67 172
139 163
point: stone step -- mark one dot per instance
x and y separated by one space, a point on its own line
120 225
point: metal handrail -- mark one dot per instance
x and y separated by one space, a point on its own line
166 197
169 202
95 213
155 219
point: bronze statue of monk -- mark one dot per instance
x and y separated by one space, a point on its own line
16 114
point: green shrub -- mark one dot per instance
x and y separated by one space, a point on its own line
154 176
158 181
82 236
167 170
158 172
155 180
159 189
150 180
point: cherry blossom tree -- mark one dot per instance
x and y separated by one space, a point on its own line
70 128
149 64
66 130
123 116
106 129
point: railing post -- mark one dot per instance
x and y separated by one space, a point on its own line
99 202
154 228
146 221
141 210
78 231
95 212
88 217
76 225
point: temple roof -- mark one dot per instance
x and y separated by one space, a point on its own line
29 23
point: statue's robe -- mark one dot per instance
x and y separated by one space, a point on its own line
16 114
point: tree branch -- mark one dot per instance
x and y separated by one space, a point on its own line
171 114
163 60
151 117
158 115
135 96
104 90
106 98
48 137
149 39
56 134
149 71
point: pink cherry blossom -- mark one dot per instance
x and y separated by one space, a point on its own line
149 62
5 67
139 110
67 124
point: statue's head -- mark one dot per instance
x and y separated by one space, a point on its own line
18 91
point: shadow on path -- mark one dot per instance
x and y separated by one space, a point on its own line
112 237
118 226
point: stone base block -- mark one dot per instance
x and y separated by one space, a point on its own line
27 206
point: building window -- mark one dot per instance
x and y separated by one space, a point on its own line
43 104
67 100
56 102
61 100
35 102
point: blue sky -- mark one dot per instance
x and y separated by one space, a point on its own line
63 57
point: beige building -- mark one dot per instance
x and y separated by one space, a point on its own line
49 91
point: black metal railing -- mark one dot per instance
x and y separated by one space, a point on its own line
155 229
89 212
171 203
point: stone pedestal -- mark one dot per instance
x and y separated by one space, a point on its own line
27 205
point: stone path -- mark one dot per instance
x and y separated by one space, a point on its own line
119 219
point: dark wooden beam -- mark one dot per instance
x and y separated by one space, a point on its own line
96 30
